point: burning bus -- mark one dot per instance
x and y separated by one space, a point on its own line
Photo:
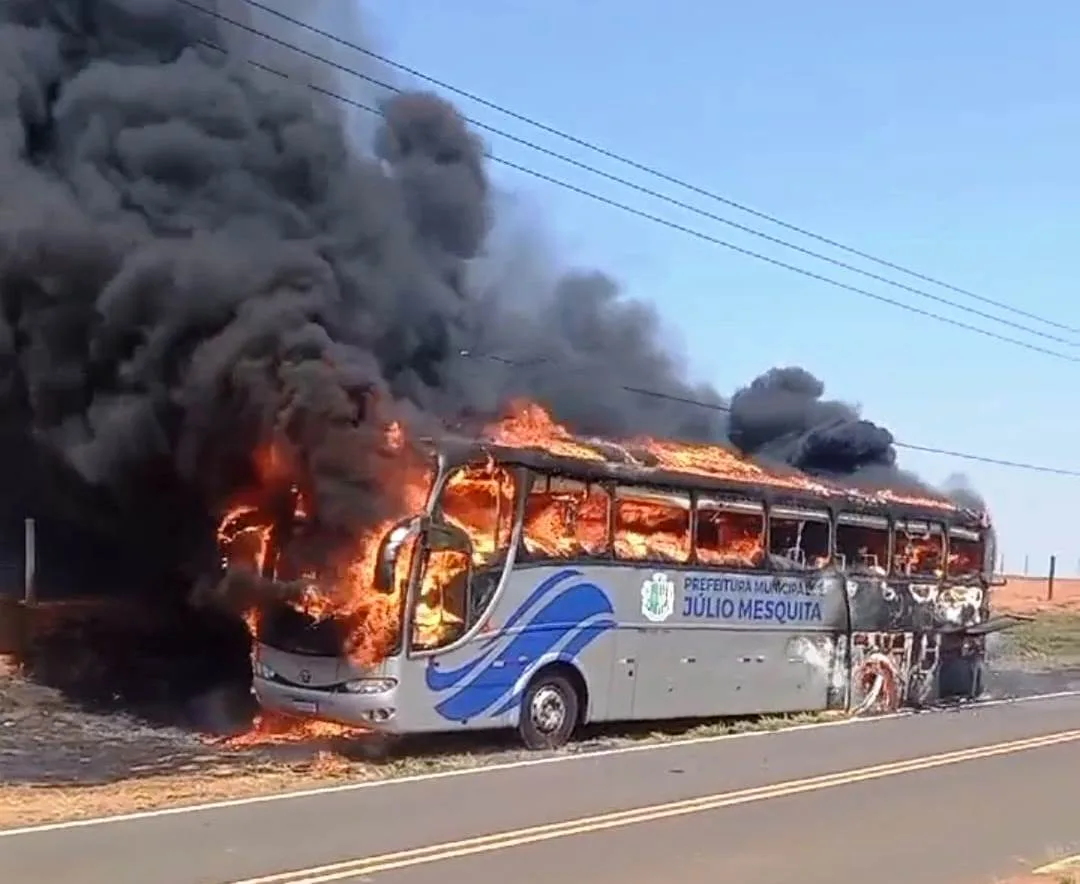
542 581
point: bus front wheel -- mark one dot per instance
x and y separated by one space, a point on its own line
549 712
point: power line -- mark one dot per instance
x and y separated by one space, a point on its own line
656 173
667 396
726 409
573 188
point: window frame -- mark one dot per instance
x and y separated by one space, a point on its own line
862 520
973 536
533 478
619 490
719 501
940 528
438 508
804 514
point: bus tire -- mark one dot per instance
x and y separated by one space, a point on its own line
549 711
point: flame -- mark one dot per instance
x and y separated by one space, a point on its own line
562 518
529 425
346 592
269 729
919 555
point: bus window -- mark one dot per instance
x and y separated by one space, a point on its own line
967 553
862 543
440 615
731 534
918 549
652 526
799 538
565 518
479 499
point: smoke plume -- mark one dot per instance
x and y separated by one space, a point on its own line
782 417
197 261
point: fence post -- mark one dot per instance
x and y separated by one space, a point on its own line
1050 579
30 561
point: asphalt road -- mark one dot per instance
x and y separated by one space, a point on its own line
883 800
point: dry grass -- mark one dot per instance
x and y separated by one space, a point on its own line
1051 638
28 805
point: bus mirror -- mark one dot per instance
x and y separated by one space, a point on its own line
998 580
391 544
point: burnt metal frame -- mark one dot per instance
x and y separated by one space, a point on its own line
455 452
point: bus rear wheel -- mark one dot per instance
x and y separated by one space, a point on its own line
549 712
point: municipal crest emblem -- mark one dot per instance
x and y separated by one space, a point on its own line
658 598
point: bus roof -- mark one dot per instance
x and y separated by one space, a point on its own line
710 468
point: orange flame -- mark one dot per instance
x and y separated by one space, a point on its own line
269 729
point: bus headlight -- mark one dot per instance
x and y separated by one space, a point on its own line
261 670
370 685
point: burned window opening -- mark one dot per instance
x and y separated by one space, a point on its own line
652 525
440 616
565 518
967 553
799 538
479 499
918 549
862 543
730 534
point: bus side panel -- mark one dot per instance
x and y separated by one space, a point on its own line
709 671
710 643
548 614
650 643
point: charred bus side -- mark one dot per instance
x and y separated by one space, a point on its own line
541 590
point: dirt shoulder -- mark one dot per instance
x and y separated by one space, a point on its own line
60 763
1029 595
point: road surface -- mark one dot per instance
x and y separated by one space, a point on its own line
951 797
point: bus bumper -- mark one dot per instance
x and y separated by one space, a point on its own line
376 711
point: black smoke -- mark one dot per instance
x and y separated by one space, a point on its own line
199 259
195 262
595 358
782 417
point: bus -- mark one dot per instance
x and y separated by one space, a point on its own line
544 589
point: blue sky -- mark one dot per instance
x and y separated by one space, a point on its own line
941 136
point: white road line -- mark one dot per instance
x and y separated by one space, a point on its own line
494 768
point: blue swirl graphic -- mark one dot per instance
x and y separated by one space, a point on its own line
565 619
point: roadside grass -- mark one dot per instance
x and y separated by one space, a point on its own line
1052 637
237 775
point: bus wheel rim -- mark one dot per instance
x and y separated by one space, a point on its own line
548 709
